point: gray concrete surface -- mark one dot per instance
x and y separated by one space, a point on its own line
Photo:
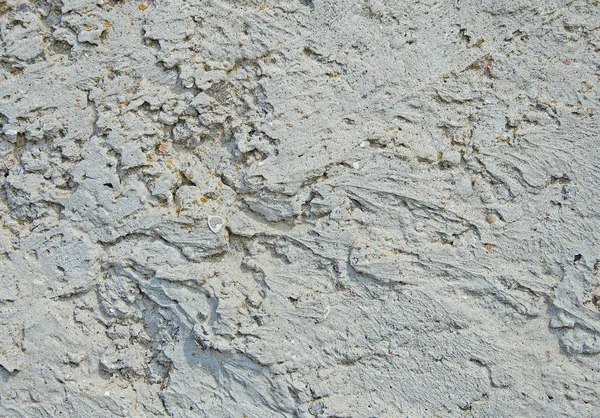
303 208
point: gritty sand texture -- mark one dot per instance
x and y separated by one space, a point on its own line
303 208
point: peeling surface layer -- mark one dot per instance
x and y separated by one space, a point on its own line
303 208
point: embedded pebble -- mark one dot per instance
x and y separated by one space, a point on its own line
491 218
215 223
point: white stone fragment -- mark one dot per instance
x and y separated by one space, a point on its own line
215 223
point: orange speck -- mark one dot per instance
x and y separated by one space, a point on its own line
567 62
488 67
163 148
244 305
142 7
489 247
107 24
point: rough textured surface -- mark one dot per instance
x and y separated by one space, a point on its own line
408 200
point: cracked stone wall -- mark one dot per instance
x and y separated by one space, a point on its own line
404 199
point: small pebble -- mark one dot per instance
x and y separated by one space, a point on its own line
215 223
491 218
356 166
363 144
